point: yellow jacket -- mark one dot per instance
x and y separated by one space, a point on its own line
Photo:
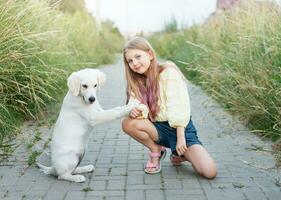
174 98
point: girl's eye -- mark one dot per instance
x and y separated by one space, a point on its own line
85 86
138 56
130 61
95 85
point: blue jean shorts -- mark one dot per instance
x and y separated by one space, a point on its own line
167 135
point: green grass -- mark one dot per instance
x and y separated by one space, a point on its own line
33 140
87 189
33 156
40 47
236 58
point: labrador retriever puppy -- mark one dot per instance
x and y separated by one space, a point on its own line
80 111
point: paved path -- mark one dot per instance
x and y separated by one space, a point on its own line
245 164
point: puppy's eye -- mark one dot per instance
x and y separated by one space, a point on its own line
95 85
85 86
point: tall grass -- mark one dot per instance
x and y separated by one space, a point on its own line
89 45
171 25
236 57
39 46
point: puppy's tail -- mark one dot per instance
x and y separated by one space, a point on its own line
45 169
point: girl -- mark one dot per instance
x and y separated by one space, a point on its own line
162 89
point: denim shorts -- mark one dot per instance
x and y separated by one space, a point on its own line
167 136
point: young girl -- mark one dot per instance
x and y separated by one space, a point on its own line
163 91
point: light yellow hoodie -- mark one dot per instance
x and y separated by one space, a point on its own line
174 99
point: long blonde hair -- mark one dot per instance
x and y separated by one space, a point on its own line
144 88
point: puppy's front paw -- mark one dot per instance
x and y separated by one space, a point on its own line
133 103
144 111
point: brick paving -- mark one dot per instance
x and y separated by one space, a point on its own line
246 168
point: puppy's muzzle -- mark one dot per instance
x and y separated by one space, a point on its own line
92 99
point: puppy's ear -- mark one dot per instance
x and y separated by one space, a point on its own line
101 78
73 83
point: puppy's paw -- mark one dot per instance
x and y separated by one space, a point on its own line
84 169
79 178
73 178
90 168
133 103
144 111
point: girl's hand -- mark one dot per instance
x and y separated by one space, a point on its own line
135 113
181 143
181 146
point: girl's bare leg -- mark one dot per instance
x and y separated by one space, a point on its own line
201 161
144 132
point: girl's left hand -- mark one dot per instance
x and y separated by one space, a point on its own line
181 146
135 113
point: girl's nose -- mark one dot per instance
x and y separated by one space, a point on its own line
135 61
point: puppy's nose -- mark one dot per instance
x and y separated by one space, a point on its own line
92 99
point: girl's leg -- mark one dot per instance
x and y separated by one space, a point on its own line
144 132
201 161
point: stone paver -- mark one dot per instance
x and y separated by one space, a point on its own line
244 171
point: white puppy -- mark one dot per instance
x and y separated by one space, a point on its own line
80 111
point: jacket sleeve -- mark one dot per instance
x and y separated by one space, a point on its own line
177 98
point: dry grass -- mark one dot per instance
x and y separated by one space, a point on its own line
236 57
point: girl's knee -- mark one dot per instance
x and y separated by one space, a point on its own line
209 172
128 125
125 124
134 128
202 161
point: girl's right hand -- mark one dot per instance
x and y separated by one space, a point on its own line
181 146
135 113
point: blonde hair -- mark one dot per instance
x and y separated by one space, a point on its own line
144 88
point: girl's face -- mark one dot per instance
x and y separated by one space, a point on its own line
138 60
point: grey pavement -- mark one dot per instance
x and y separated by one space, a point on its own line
246 167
